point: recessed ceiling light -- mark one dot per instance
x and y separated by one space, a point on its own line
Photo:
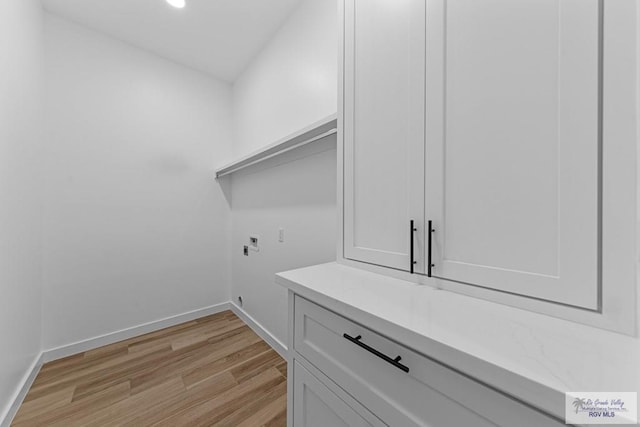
177 3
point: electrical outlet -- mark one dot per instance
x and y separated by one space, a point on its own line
253 243
281 235
245 250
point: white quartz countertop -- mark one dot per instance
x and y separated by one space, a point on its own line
531 356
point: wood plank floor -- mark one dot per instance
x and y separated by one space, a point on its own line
213 371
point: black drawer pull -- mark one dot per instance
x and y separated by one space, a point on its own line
395 362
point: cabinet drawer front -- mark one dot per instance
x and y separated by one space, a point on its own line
429 394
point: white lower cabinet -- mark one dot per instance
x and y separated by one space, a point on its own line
318 406
397 385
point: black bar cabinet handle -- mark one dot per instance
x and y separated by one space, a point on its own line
430 264
395 362
412 230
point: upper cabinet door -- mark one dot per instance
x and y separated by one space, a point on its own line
513 145
383 126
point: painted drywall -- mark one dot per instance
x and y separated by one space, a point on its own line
20 193
298 194
136 229
291 84
218 37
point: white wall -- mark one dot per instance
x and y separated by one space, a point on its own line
20 192
136 227
291 84
296 193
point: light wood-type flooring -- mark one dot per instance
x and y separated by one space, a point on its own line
213 371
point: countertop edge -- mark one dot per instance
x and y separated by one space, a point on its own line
528 391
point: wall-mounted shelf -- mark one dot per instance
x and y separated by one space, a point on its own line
307 135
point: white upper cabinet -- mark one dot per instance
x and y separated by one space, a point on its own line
513 127
512 145
383 128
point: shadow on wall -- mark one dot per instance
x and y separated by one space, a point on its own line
299 177
295 193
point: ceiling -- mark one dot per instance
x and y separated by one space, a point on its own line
219 37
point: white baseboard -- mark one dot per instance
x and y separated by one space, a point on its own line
113 337
274 342
7 417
